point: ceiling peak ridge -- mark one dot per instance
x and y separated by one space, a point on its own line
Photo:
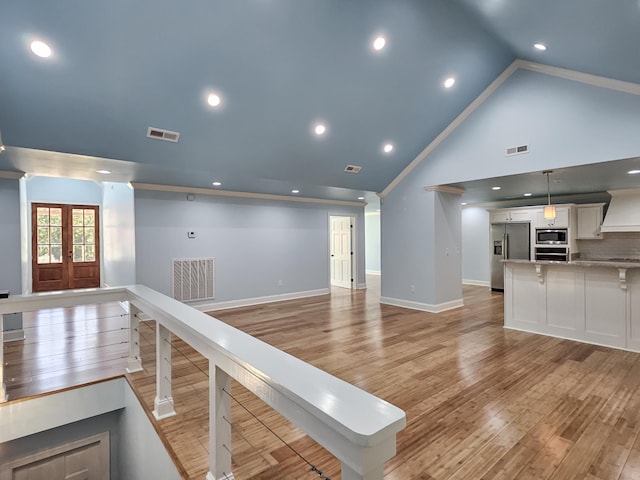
517 64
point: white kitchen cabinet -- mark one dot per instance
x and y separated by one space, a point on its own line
511 215
561 220
589 221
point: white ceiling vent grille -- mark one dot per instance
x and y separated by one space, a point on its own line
353 169
161 134
519 150
192 279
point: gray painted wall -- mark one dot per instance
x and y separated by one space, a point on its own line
475 246
63 190
108 422
118 235
142 454
255 243
448 260
10 263
372 239
565 122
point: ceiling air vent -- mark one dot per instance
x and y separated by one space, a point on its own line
160 134
353 169
519 150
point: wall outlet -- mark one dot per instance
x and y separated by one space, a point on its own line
191 234
412 288
280 283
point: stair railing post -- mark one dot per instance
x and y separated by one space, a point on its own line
134 362
219 424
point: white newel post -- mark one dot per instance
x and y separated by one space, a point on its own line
219 424
134 363
3 387
164 401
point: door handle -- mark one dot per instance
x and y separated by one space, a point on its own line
505 246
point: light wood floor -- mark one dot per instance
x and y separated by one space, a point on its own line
482 402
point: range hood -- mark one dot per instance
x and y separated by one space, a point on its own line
623 214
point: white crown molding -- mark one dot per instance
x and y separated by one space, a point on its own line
12 175
444 189
236 194
587 78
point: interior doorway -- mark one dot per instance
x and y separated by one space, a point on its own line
65 246
341 251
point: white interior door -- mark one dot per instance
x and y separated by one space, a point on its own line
341 252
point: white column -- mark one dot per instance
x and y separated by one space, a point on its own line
164 401
219 424
374 474
134 363
3 387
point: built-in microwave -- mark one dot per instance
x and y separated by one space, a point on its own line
552 236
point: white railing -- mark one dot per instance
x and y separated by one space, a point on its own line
356 427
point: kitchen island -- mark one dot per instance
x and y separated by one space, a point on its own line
593 301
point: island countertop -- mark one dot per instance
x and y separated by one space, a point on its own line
581 263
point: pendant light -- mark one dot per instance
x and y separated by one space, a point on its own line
549 210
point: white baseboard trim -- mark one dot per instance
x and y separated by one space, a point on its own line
13 335
227 476
361 286
247 302
374 272
479 283
424 307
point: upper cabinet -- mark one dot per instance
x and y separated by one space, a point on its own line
589 221
512 215
561 220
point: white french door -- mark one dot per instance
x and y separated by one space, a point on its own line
341 251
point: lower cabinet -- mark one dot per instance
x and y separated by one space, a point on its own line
599 305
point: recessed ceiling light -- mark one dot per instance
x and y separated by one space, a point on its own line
360 198
448 83
388 148
527 194
320 129
40 48
214 99
463 203
216 184
295 191
379 43
378 210
495 188
540 46
633 172
104 172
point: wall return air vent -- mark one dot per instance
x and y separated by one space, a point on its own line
353 169
161 134
519 150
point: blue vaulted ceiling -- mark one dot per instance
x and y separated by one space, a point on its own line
120 67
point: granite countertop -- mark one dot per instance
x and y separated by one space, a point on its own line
614 263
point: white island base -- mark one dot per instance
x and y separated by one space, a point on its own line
593 302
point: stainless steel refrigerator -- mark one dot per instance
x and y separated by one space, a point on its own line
508 240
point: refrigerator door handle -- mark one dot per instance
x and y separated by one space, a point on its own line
505 246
